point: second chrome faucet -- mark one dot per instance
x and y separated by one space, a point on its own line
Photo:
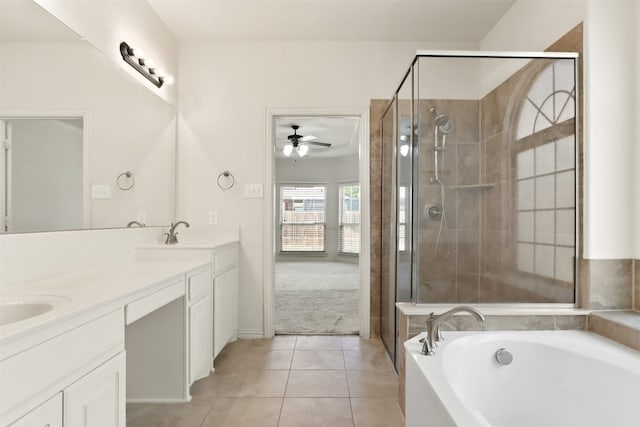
433 326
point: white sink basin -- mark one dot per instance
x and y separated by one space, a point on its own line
28 307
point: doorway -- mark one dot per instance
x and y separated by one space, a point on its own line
42 173
319 282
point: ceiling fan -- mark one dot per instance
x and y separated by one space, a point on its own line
300 143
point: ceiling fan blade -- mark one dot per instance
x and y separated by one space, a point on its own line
322 144
308 138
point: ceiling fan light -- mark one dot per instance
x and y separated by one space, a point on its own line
287 150
302 150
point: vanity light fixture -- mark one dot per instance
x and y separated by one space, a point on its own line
145 66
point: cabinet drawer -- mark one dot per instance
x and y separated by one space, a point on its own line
140 308
25 375
49 414
225 259
199 285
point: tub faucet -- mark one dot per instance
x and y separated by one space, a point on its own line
172 235
433 327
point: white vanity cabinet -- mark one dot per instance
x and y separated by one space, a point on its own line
82 367
223 297
200 323
48 414
225 309
97 399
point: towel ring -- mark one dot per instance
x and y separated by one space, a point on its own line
226 176
127 174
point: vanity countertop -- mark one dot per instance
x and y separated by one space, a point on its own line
92 292
194 243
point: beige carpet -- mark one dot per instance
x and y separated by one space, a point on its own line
317 298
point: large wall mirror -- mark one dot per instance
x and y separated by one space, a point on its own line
87 146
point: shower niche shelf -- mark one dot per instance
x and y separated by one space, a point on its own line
471 187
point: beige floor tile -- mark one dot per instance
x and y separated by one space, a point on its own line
370 383
319 342
316 412
244 412
376 412
354 342
317 383
228 360
242 383
254 359
367 359
318 359
279 342
273 359
190 414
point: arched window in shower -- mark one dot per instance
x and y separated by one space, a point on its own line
544 162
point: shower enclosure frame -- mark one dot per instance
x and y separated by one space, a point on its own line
414 150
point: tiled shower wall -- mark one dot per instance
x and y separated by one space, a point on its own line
452 269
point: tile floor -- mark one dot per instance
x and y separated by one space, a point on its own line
288 381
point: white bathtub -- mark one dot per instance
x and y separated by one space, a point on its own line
557 378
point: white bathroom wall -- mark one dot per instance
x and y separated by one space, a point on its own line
329 171
609 105
610 79
533 25
32 256
105 24
225 91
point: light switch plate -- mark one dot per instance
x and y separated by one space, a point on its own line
100 191
253 191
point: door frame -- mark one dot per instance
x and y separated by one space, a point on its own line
270 216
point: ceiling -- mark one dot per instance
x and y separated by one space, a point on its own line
340 131
331 20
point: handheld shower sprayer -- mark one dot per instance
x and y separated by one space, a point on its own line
442 125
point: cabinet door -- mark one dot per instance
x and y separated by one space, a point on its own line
98 398
49 414
199 339
225 309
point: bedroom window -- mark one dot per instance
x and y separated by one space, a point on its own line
349 221
302 218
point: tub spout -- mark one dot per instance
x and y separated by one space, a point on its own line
434 322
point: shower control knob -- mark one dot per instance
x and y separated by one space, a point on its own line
433 211
504 356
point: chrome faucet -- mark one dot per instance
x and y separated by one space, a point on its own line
136 223
433 327
172 235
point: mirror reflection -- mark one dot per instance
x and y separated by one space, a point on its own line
87 146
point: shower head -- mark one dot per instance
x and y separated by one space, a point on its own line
443 122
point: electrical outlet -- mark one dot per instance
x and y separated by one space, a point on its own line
213 218
253 191
100 191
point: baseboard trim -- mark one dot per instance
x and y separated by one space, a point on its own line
158 400
245 334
